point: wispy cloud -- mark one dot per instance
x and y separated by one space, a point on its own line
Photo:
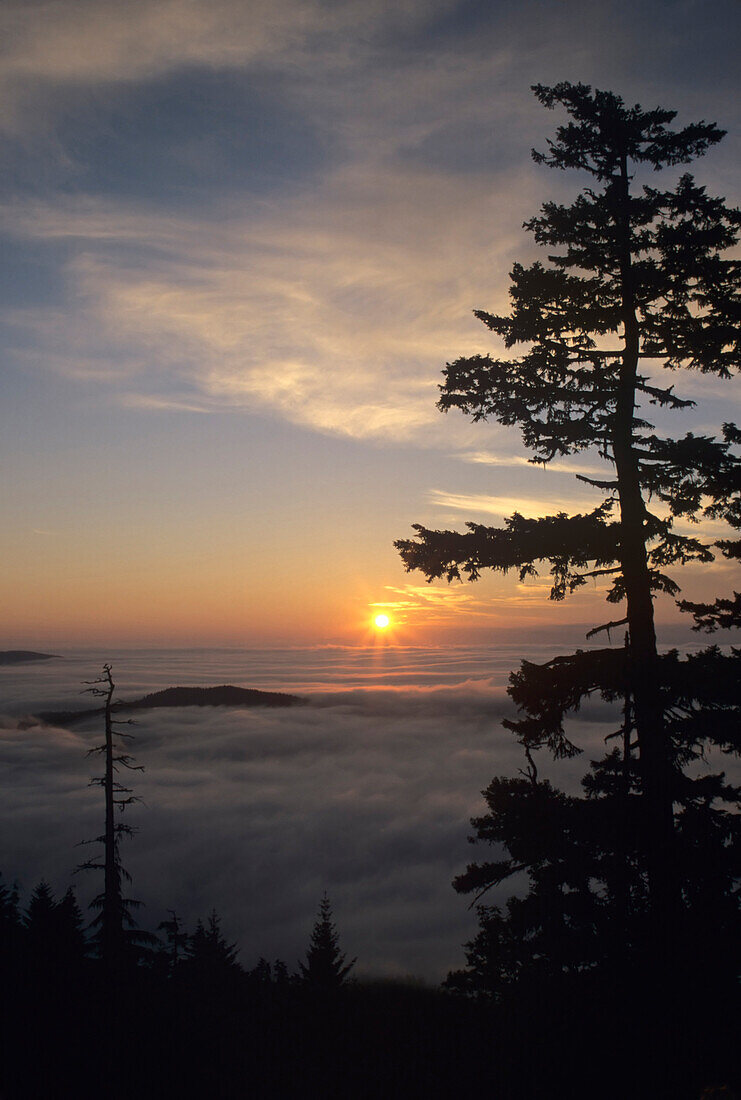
329 310
334 304
446 606
53 48
151 401
411 598
489 458
479 503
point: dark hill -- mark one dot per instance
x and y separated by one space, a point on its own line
226 695
22 656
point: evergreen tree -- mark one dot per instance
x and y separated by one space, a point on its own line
636 280
208 950
210 969
41 924
262 973
119 940
54 932
9 917
325 968
273 975
586 907
11 928
281 977
70 928
176 940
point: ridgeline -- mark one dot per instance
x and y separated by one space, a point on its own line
23 656
225 695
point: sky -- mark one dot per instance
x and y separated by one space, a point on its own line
242 239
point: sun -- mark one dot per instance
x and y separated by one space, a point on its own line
381 622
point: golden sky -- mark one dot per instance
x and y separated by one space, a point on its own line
243 240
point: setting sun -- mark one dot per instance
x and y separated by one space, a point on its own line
381 622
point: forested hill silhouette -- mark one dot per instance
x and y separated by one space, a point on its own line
22 656
225 695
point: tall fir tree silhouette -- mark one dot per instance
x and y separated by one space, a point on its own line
325 968
117 935
637 280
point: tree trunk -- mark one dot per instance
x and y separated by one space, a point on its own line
111 886
655 763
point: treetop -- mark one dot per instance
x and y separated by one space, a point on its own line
605 133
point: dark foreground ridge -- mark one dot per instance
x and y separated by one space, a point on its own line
23 656
225 695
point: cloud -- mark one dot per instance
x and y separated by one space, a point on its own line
51 47
326 310
331 302
478 503
489 458
429 599
97 39
366 792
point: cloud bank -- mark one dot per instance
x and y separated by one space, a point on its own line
316 198
366 792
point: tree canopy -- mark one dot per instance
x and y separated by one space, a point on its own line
637 282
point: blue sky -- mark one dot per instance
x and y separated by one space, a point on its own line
242 240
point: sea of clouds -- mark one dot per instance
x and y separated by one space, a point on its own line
365 790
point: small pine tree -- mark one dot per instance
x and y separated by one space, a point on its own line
325 967
270 975
54 931
210 971
40 922
70 928
281 977
176 940
8 906
11 938
262 974
208 949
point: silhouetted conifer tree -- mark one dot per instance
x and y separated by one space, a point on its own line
210 968
208 950
273 974
635 279
262 973
10 922
586 906
41 923
325 967
176 940
8 904
281 977
70 927
54 932
118 937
